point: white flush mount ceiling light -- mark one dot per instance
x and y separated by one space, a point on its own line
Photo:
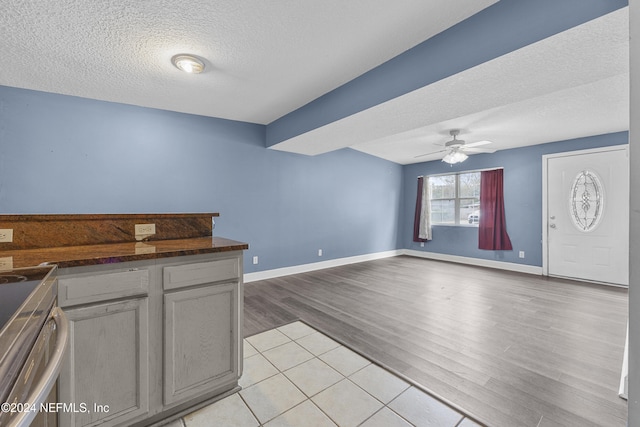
188 63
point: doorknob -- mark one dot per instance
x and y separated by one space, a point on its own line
552 225
552 217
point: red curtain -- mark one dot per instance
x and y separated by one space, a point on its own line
492 225
416 218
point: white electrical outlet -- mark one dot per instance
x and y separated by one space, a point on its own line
6 235
521 254
255 259
319 252
146 229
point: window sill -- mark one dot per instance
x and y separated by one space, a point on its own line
456 225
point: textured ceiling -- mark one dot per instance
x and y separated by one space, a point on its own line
264 58
570 85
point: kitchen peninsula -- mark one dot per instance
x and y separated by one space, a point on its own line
155 309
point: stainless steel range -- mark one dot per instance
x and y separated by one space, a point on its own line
33 342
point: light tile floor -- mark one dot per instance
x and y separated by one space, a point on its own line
295 376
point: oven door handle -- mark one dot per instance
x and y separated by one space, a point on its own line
50 375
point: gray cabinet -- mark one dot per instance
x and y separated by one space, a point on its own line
150 339
202 340
106 375
199 350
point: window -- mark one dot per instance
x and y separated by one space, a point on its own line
455 199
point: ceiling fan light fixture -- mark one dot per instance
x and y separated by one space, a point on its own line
454 157
188 63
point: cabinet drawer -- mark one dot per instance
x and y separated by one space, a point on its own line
181 276
101 287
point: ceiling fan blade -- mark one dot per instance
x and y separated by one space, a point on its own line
478 143
428 154
478 150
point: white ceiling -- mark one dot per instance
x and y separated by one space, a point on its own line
264 58
267 58
570 85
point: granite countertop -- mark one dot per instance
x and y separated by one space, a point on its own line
76 256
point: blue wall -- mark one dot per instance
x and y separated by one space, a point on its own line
61 154
523 200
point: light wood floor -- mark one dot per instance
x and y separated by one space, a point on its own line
509 349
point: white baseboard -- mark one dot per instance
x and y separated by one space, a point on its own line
511 266
304 268
624 374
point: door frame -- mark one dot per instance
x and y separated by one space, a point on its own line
545 213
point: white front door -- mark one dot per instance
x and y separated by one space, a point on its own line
587 215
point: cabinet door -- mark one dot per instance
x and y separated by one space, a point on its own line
200 344
106 374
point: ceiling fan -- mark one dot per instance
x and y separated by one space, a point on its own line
456 148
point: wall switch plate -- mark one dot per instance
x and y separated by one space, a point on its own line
255 259
6 235
521 254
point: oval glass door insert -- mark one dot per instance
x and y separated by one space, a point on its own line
586 205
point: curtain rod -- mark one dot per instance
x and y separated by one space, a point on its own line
471 171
